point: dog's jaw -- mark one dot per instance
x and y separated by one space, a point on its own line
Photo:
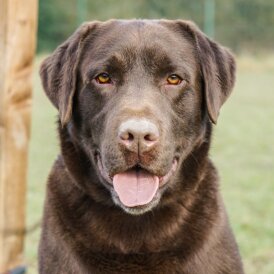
107 181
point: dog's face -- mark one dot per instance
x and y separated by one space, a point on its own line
137 95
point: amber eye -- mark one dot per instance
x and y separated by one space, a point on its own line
103 78
174 79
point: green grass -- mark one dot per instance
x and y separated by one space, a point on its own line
43 150
242 149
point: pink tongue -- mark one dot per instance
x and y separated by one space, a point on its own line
135 188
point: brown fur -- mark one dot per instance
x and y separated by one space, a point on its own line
85 228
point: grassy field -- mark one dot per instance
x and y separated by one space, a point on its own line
243 150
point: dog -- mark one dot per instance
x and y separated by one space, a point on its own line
133 189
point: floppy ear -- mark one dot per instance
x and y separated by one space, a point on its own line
59 72
217 66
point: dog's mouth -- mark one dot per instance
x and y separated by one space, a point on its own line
137 187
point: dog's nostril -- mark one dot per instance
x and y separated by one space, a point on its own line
130 137
150 137
127 136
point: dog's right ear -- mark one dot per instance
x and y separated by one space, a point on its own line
59 71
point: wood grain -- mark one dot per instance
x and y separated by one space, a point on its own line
18 24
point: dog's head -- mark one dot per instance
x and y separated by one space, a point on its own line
136 96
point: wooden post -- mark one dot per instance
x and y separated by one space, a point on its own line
18 22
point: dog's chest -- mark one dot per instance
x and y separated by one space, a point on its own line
160 263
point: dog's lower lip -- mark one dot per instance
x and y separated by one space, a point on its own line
164 179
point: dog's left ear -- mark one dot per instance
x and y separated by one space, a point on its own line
217 66
59 71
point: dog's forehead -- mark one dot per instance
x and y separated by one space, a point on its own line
150 40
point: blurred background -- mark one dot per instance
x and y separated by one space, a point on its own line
242 146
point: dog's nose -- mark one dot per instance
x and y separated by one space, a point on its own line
138 135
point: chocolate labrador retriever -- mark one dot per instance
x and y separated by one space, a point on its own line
133 190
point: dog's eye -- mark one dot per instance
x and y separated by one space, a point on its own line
174 79
103 78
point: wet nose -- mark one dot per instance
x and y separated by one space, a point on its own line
138 135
